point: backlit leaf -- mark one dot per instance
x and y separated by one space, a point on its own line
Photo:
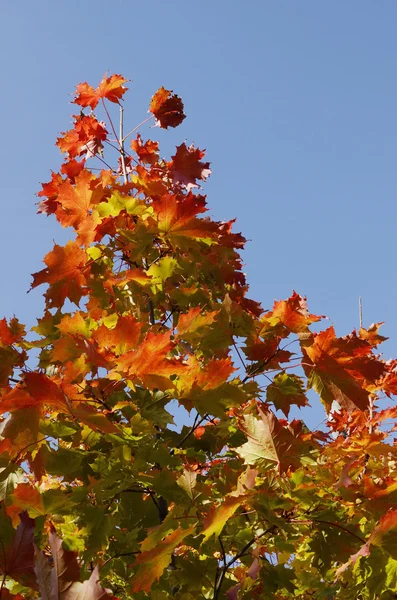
167 107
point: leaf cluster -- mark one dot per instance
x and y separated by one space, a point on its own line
147 305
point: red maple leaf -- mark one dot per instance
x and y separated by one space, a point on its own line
186 166
167 107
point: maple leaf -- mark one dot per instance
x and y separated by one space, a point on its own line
39 390
371 335
12 332
150 363
153 562
187 481
110 88
176 219
72 168
65 269
383 535
95 419
269 439
218 516
125 277
17 556
62 580
86 96
28 498
286 390
186 166
50 192
289 316
208 376
147 152
167 107
85 138
266 353
195 322
75 201
340 369
124 336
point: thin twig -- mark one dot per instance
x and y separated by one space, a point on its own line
152 318
122 157
360 311
111 122
195 425
118 555
104 162
332 524
239 355
137 127
168 318
236 557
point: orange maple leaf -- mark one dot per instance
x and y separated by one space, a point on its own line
75 201
176 219
153 562
110 88
150 362
85 138
122 338
289 316
65 270
147 152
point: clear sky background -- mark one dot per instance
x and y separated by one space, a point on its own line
295 103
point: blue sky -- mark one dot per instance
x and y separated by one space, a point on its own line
295 103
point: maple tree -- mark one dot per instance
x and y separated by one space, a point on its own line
100 496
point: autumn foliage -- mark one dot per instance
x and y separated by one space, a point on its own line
147 304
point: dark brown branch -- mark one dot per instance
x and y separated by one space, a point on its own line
195 425
339 527
236 557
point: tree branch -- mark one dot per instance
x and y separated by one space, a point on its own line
227 565
195 425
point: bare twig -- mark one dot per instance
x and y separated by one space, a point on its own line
332 524
111 122
150 303
121 142
196 424
239 355
360 311
118 555
236 557
137 127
